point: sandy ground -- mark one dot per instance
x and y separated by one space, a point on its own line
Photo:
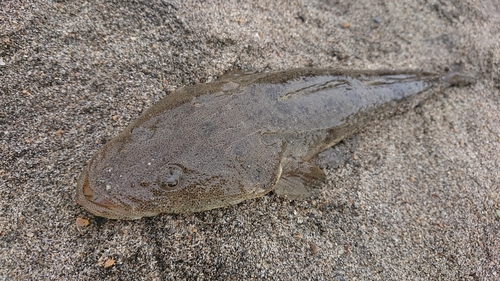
410 198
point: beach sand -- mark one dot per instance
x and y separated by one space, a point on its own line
412 197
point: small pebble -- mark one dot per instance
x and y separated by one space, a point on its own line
314 248
109 263
82 222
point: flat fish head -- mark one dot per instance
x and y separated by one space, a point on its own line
159 166
120 183
125 186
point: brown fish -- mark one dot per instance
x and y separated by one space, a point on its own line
212 145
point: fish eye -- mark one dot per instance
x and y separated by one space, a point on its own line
170 177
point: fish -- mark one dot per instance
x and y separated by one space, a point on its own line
216 144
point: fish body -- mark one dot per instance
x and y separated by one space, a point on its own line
215 144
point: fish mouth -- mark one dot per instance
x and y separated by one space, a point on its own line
91 196
97 204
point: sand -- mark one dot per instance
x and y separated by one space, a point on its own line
413 197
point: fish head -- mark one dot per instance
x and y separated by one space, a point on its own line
192 151
130 178
129 192
127 186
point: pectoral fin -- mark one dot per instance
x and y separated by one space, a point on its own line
299 180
